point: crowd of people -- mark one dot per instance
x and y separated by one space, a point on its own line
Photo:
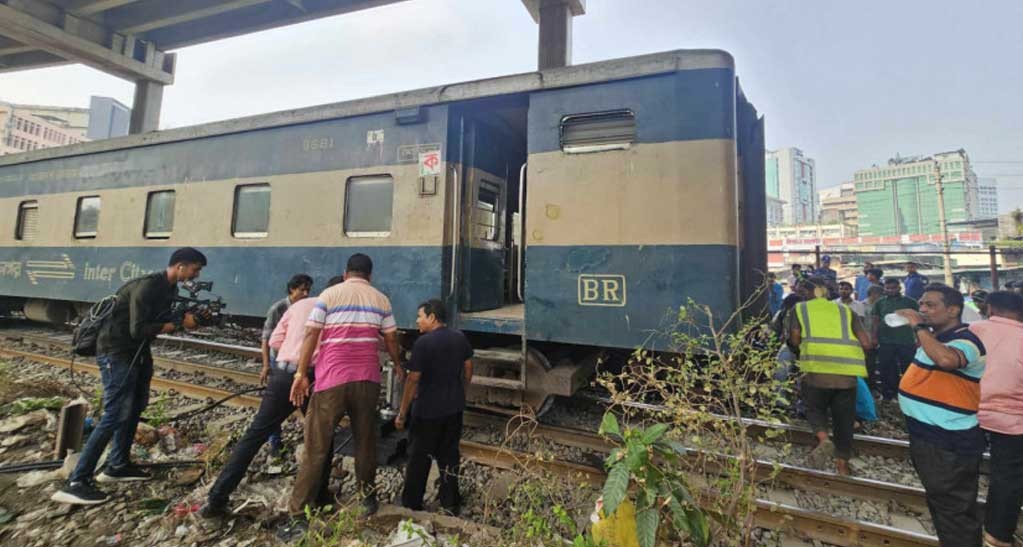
320 356
958 384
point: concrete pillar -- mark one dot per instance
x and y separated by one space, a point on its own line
145 110
555 34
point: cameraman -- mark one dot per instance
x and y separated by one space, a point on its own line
142 311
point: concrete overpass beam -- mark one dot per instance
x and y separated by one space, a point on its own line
145 109
555 20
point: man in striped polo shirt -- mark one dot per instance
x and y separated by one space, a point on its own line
345 321
939 395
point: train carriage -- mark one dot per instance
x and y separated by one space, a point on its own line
558 213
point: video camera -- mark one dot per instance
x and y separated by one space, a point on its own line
207 311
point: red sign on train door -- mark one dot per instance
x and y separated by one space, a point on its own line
429 163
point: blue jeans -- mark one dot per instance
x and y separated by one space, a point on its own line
125 396
275 439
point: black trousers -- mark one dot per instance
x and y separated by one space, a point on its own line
873 373
1005 493
950 479
892 361
433 439
841 405
273 410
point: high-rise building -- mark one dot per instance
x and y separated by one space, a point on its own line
987 190
775 211
838 206
108 118
900 197
30 127
791 177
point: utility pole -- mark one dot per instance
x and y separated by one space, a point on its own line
942 223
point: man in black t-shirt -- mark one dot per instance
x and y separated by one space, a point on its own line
141 313
439 373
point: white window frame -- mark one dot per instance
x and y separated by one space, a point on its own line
78 212
344 219
19 226
234 212
145 220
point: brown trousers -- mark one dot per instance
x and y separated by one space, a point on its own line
357 400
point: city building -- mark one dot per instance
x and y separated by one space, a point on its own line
791 177
796 232
21 130
108 118
987 190
74 120
900 198
775 211
838 206
30 127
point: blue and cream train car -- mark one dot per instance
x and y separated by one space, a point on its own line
564 211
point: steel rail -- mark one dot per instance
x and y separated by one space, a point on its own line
777 516
195 343
796 477
160 384
240 376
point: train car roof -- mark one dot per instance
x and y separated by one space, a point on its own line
615 69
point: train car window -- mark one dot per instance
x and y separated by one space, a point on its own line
368 206
159 214
28 221
87 217
597 132
251 211
487 200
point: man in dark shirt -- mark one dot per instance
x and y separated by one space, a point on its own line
439 373
142 312
895 345
825 270
914 283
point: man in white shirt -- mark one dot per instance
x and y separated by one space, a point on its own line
845 296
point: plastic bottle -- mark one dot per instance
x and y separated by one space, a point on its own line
895 320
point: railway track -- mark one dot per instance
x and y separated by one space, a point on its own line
769 514
793 434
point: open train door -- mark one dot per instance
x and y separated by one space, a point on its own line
752 206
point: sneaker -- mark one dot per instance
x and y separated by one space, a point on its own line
79 493
370 506
128 473
453 511
212 511
292 530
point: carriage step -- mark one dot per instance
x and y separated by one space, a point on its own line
501 383
498 355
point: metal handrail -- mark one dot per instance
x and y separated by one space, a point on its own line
455 228
522 230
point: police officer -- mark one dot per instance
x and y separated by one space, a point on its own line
830 340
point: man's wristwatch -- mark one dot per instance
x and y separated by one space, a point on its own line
920 326
298 375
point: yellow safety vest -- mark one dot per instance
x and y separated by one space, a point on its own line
828 344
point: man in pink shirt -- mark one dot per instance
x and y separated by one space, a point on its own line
345 322
1001 413
286 338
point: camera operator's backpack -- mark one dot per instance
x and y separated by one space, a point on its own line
84 341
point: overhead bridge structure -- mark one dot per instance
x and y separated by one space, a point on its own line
133 39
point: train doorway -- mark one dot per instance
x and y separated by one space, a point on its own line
487 267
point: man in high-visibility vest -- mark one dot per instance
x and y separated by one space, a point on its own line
831 341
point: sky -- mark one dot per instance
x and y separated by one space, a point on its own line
850 83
